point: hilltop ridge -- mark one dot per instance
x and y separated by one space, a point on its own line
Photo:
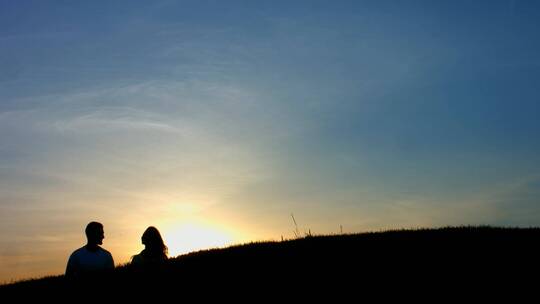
391 258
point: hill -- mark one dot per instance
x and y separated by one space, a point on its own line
448 260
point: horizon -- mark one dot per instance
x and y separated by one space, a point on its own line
214 121
418 232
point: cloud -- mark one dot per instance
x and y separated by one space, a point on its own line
107 119
176 134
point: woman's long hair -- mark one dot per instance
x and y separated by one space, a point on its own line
154 246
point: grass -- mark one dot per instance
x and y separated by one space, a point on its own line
453 257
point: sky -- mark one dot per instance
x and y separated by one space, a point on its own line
216 120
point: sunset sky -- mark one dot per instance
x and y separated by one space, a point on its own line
216 120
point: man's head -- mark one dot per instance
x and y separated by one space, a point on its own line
94 233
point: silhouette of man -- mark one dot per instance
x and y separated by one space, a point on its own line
91 258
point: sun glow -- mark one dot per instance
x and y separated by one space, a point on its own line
195 235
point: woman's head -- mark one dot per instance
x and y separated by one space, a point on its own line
153 242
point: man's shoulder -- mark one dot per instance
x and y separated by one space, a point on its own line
104 251
84 251
78 251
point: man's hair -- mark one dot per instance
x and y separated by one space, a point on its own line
92 227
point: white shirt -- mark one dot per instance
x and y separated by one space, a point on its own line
82 261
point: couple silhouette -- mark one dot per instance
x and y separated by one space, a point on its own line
92 259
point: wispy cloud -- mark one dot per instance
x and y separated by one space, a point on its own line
109 119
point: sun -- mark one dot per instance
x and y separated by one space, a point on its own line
195 235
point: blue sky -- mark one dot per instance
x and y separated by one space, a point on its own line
231 115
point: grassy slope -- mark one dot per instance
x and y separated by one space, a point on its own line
394 259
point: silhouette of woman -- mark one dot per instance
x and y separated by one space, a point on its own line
154 250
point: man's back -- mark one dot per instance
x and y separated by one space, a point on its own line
83 262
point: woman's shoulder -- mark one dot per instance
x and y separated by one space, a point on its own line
137 259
